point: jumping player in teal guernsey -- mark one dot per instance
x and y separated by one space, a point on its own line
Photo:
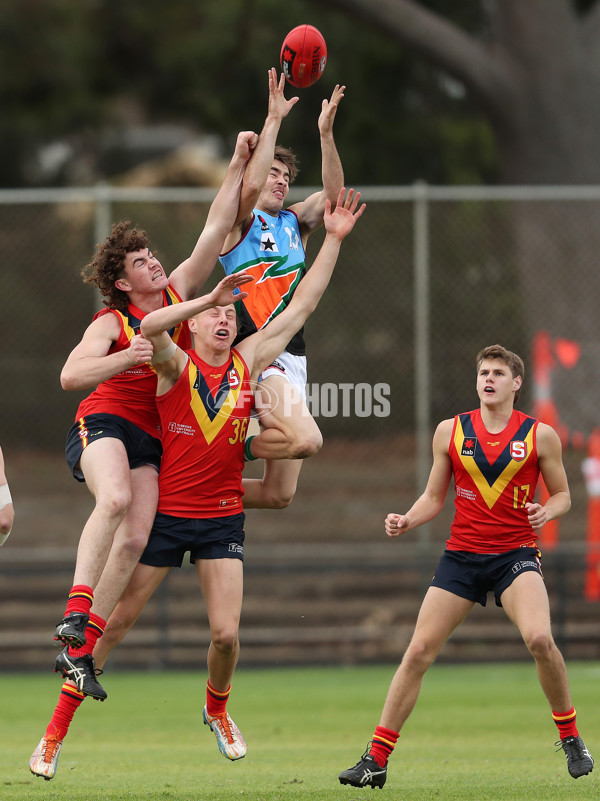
269 243
276 270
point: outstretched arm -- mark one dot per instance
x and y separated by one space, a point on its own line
188 278
168 359
157 323
310 211
432 500
261 348
262 157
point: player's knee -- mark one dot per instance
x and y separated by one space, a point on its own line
419 656
133 545
306 444
6 522
225 640
312 444
114 504
540 644
279 500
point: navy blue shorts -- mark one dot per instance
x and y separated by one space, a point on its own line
141 447
204 538
473 575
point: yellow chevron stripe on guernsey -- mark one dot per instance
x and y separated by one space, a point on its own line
210 428
126 327
490 494
130 332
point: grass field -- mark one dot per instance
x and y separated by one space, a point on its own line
478 732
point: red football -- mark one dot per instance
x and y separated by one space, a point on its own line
303 56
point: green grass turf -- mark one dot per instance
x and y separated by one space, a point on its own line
478 732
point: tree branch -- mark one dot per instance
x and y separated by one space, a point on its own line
479 68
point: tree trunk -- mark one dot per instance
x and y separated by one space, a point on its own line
537 78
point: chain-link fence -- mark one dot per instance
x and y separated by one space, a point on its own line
429 276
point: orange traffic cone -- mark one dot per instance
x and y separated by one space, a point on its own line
545 410
591 472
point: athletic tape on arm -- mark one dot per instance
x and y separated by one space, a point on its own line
165 354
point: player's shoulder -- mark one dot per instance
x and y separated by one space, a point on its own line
105 320
445 425
547 436
443 433
237 234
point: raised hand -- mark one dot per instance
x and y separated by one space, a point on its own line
328 110
278 105
341 220
224 292
245 144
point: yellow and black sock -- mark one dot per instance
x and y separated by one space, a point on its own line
384 742
68 703
80 600
566 723
216 701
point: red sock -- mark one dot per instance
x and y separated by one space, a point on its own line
566 723
216 701
68 703
93 630
80 599
384 741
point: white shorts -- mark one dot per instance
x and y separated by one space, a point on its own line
290 367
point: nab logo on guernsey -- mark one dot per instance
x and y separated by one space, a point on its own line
468 446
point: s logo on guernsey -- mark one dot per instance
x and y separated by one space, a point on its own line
233 378
468 446
518 450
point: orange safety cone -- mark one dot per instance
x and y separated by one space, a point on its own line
591 472
544 409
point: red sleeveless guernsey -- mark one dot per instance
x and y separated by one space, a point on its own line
132 393
495 475
204 419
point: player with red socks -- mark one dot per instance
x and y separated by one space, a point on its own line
114 444
207 394
495 455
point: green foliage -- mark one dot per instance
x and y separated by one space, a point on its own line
480 733
74 71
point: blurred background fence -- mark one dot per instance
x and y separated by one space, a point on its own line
429 277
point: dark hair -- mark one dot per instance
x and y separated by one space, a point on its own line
109 261
287 157
513 361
